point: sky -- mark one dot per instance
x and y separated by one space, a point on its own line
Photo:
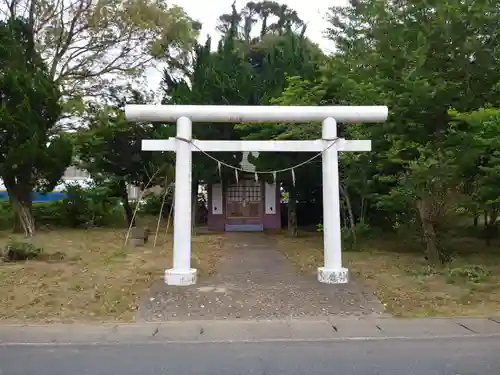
208 11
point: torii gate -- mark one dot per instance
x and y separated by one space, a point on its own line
181 273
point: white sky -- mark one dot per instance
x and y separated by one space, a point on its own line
208 11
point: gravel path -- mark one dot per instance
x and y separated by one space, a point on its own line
255 281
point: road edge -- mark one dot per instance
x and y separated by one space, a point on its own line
230 331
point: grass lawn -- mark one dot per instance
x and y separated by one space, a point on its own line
403 281
97 279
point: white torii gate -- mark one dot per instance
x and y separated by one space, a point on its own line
181 273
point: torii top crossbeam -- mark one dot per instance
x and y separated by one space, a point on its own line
255 114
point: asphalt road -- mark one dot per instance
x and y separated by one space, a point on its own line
465 356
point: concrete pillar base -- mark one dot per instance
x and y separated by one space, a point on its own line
180 277
333 276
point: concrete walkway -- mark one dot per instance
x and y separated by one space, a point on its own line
289 330
255 281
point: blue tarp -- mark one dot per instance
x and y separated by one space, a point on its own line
39 197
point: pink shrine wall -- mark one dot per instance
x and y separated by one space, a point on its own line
217 222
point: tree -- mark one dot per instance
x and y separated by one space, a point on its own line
110 149
86 43
246 70
285 68
307 183
285 20
478 159
279 50
221 77
442 55
32 153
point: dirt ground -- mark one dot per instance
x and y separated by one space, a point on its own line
403 280
88 275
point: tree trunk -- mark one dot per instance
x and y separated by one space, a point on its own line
20 199
362 210
490 227
363 205
349 212
344 218
430 238
129 213
292 212
475 215
194 206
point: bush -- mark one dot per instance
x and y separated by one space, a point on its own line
361 232
473 274
6 215
91 206
49 213
16 251
152 204
75 207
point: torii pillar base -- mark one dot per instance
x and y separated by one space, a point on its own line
180 277
333 276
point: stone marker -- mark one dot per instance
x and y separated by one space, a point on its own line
138 237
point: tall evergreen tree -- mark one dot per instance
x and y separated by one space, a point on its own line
33 154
